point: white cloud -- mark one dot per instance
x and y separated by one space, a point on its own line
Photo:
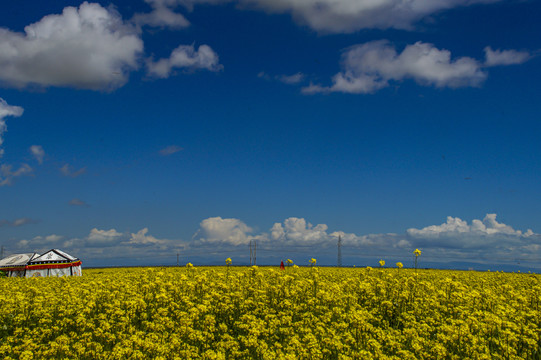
346 16
170 150
89 47
103 237
67 170
299 232
457 233
505 57
38 153
370 67
226 231
5 111
7 174
108 247
162 15
141 238
112 243
484 240
185 57
455 240
454 227
39 242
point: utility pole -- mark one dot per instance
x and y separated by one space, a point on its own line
339 260
253 250
178 263
2 252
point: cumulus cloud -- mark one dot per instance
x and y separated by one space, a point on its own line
226 231
170 150
372 66
115 243
7 174
141 238
505 57
484 240
162 15
292 231
67 170
186 57
38 153
346 16
299 232
108 247
457 233
5 111
89 47
39 242
103 237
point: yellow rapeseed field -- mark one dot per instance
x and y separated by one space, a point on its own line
264 313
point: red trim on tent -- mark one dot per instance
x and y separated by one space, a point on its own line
42 266
13 268
53 266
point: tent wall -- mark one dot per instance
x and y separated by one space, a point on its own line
16 273
67 271
76 271
36 273
60 272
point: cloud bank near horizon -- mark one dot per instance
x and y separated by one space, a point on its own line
485 240
453 239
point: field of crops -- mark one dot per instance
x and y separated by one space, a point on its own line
268 313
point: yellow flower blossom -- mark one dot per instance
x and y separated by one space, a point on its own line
250 312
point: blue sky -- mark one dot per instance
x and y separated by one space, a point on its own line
131 131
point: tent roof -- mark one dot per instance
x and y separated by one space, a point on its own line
54 255
18 259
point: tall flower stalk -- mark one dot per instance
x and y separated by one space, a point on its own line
417 253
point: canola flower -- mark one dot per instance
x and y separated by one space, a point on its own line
312 261
228 261
166 313
399 265
417 253
382 263
289 262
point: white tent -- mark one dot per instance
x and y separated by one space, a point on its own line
15 265
52 263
